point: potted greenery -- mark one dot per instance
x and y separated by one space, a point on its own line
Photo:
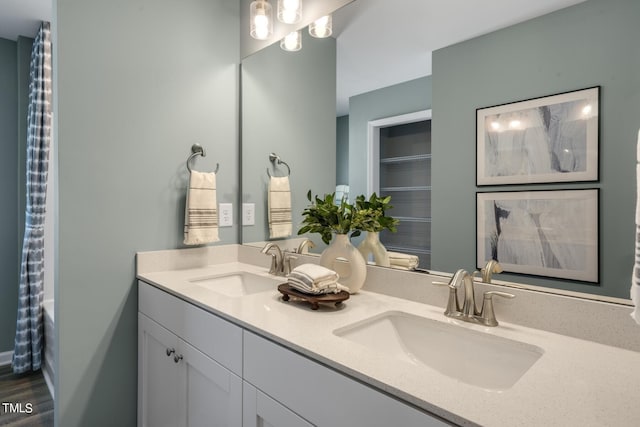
370 216
335 224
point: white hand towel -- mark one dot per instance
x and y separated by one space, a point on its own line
315 279
201 213
635 278
279 200
403 261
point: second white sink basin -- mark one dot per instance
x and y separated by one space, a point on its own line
237 284
470 356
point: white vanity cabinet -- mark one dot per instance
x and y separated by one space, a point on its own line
178 384
259 410
320 394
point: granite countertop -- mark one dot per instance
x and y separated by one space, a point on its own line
574 383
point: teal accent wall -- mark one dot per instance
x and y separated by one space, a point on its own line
136 84
403 98
288 107
9 237
342 150
592 43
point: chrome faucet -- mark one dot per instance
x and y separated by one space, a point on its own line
280 261
492 266
306 243
469 312
277 260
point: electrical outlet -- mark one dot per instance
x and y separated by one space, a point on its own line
225 215
248 214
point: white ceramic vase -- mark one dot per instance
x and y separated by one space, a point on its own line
343 258
372 245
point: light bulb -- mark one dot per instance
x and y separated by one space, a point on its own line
292 42
261 21
514 124
321 27
586 110
495 125
289 11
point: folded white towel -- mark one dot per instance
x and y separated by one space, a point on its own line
403 261
201 213
635 277
315 279
279 201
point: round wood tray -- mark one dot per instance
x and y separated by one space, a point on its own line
287 292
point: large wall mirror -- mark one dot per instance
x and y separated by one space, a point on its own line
570 45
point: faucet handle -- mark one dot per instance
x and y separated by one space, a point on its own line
452 303
487 314
286 261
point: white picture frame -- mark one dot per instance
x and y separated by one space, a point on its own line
541 140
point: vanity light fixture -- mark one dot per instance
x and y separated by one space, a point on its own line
261 20
321 27
290 11
292 42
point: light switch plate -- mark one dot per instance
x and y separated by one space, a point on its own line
225 213
248 214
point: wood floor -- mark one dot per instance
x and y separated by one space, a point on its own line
16 391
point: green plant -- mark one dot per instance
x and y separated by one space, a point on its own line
325 217
370 215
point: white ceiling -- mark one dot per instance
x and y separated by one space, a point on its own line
23 17
379 42
384 42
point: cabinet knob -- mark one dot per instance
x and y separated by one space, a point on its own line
177 358
170 351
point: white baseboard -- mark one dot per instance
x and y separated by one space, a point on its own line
5 358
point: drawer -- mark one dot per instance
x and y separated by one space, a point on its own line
322 395
217 338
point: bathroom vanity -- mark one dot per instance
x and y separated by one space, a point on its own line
217 344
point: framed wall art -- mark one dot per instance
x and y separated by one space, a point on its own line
542 140
542 233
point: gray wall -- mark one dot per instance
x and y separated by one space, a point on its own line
593 43
136 83
403 98
342 150
288 107
9 238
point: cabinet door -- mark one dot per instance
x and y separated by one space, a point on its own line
158 378
262 411
213 394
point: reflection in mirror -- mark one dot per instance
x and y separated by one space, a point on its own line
493 69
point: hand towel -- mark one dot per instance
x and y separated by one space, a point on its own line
279 201
201 213
403 261
315 279
635 278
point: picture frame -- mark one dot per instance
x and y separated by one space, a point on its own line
550 233
542 140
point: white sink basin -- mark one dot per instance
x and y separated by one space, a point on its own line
473 357
237 284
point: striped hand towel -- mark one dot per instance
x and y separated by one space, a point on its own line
635 279
201 213
279 200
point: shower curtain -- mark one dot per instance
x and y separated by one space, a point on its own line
27 354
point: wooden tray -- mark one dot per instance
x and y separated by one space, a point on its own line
287 292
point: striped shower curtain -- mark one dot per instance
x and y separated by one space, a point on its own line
27 354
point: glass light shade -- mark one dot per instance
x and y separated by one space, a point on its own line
292 42
290 11
321 27
261 20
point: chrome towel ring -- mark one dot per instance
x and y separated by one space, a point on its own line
197 150
276 160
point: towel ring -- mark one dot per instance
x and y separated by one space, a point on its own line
197 150
274 158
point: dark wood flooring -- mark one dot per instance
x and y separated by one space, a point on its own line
24 389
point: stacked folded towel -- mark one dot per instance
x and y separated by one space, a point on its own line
201 214
403 261
315 279
279 201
